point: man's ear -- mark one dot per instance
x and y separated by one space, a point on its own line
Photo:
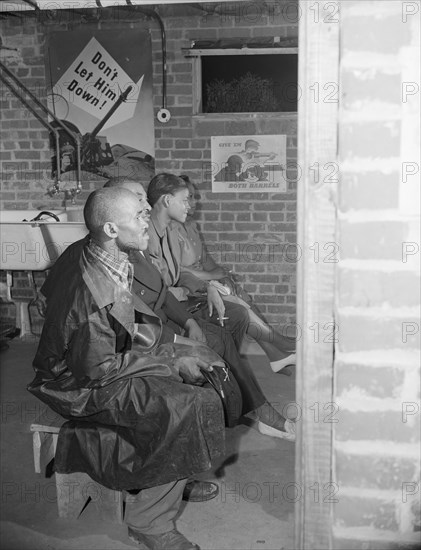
110 229
166 200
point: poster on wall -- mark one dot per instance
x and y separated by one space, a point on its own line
101 89
248 164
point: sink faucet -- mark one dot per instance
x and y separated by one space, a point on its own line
69 194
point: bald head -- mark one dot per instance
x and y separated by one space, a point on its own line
106 205
121 181
124 182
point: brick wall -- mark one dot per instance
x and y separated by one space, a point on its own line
377 367
255 234
25 152
249 233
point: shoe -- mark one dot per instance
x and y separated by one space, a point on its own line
277 366
173 540
286 371
288 433
200 491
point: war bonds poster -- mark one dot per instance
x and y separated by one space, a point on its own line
248 163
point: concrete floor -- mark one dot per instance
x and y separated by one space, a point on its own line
251 511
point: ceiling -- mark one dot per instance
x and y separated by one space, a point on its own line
33 5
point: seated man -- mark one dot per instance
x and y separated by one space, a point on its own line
169 197
198 267
150 287
140 419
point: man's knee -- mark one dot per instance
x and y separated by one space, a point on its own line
236 312
215 336
238 320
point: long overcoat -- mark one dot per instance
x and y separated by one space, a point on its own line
133 422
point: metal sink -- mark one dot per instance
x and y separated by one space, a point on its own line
36 245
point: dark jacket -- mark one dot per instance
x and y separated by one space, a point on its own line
135 424
157 254
150 287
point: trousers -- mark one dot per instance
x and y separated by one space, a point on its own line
226 341
152 511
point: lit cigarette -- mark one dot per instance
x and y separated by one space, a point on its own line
222 318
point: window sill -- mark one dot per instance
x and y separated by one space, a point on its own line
219 116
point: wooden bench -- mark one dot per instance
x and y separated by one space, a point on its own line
74 491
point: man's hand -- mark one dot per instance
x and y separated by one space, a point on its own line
194 331
189 369
215 301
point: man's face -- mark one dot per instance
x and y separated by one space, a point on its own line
251 149
179 205
137 188
193 198
132 226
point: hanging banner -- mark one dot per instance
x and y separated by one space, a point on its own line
248 164
94 82
101 89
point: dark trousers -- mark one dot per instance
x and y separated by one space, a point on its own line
226 341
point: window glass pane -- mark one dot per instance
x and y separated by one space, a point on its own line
249 83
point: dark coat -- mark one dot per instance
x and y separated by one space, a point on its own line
150 287
160 261
135 424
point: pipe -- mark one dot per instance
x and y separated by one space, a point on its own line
47 111
33 4
153 13
44 213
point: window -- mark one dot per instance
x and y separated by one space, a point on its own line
242 80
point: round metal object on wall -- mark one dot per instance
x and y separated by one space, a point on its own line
163 115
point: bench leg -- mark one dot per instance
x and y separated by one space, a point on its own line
74 491
44 445
36 444
108 503
70 495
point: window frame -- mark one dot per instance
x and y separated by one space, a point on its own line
196 55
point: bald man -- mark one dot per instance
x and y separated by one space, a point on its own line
139 418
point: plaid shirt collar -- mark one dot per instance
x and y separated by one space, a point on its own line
117 265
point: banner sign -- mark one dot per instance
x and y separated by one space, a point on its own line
94 73
94 82
248 164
